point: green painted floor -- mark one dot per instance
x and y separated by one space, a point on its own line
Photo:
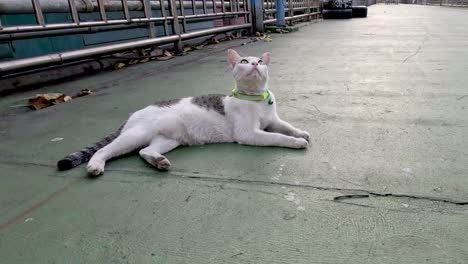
385 99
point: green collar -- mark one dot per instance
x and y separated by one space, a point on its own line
251 97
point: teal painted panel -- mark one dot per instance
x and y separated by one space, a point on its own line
113 36
199 25
32 47
65 43
54 18
18 20
5 50
96 16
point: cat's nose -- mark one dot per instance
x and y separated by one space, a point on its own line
254 63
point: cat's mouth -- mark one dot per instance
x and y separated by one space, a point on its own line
255 71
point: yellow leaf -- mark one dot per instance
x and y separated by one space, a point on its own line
119 65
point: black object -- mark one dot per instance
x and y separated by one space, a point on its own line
336 4
337 13
359 11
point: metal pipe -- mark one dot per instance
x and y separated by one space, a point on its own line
148 14
268 11
194 9
204 6
211 31
38 12
175 26
280 21
90 30
16 29
290 8
272 21
59 6
91 27
125 10
70 31
163 13
102 10
182 15
59 58
74 13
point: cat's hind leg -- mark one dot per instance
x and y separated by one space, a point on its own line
153 153
126 142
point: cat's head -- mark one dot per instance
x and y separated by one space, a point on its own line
250 73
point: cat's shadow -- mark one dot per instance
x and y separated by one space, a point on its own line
221 158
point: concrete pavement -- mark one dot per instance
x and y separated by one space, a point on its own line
383 181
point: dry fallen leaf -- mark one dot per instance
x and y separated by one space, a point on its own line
167 56
199 47
142 52
214 40
131 62
156 52
188 48
144 60
45 100
119 65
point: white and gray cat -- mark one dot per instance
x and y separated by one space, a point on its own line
247 117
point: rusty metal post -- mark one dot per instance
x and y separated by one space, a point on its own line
175 26
280 19
149 14
102 10
38 12
73 12
257 15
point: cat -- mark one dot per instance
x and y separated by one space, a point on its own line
248 116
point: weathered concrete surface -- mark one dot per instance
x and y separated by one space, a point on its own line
384 98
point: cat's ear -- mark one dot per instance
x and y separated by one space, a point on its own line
266 58
233 57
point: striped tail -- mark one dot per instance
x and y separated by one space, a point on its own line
84 155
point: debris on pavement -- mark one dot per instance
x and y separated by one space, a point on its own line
119 65
407 170
166 56
258 37
56 139
45 100
263 37
41 101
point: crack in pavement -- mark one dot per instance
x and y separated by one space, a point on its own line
366 193
421 197
355 193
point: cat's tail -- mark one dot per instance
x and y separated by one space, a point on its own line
84 155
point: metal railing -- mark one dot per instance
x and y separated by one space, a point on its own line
460 3
364 2
455 3
294 10
166 21
173 16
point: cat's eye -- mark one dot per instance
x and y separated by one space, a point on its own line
244 61
260 62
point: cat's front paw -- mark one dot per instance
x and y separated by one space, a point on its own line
300 143
95 168
304 134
